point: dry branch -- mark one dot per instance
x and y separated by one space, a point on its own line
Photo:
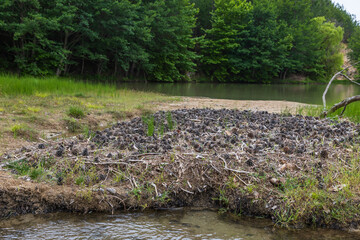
341 104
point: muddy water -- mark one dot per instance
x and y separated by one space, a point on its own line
174 224
290 92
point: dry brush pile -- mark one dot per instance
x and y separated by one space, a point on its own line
297 170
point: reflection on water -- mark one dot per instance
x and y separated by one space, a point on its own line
297 93
180 224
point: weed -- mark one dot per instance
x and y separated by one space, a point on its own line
36 173
17 129
41 95
164 197
33 109
87 132
119 177
85 194
149 121
94 106
80 180
72 124
23 131
21 167
136 192
162 129
223 200
76 112
170 121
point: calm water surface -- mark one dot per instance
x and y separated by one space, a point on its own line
297 93
180 224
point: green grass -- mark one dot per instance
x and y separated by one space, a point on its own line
76 112
31 106
149 121
334 200
13 86
352 112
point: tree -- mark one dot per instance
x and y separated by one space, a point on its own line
223 40
27 27
170 51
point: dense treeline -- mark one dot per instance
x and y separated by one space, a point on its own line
166 40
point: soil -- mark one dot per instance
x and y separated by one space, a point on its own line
235 160
270 106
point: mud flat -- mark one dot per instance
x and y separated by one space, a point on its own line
295 170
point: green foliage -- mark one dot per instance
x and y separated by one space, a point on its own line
169 120
38 87
17 129
161 40
352 112
76 112
229 21
149 122
24 131
21 167
80 180
354 45
72 124
36 172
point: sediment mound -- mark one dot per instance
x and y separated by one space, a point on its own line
290 168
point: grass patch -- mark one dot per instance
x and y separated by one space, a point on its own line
20 167
24 131
44 104
149 121
326 200
43 87
76 112
72 125
33 109
352 112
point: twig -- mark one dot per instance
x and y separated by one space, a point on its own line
43 140
186 191
215 168
225 163
118 199
237 171
107 163
143 154
153 184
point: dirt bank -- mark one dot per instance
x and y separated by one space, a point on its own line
270 106
296 170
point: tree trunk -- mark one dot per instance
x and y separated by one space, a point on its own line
82 66
115 67
132 69
66 39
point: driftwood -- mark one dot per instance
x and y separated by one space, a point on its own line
343 103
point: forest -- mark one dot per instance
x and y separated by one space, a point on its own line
176 40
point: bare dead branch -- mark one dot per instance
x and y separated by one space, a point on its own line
332 79
341 104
